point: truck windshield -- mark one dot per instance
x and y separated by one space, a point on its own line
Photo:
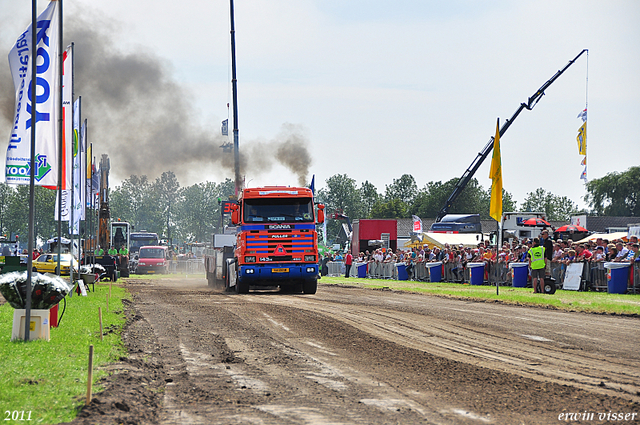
270 210
137 241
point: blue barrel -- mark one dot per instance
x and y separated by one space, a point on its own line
435 271
362 270
520 274
477 273
402 271
617 277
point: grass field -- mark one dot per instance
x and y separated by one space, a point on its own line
47 380
593 302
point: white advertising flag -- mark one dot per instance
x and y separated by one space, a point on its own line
47 100
76 204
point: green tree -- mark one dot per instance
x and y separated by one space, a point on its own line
616 194
405 189
166 188
369 195
554 207
199 211
136 202
340 195
394 208
6 195
17 213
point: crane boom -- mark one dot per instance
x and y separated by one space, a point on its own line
482 155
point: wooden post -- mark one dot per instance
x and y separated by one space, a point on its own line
108 303
100 314
90 375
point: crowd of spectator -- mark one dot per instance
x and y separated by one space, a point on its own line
596 253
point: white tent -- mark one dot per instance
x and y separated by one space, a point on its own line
609 236
432 239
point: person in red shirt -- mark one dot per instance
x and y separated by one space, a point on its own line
348 260
583 253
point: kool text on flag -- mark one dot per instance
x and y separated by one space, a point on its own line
45 113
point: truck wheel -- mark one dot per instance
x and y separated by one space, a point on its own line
310 286
242 287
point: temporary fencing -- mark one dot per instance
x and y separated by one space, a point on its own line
594 275
187 266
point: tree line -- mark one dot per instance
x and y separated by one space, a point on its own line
192 213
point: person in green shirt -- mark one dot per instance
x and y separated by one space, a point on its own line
537 265
112 251
99 251
123 250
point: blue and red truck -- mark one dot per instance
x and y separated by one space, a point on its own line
276 242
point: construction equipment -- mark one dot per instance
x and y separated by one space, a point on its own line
468 175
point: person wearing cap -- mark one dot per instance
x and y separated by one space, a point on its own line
537 265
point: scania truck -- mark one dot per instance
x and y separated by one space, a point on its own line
276 243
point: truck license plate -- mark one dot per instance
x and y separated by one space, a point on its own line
152 271
286 270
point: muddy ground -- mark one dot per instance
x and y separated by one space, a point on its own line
350 355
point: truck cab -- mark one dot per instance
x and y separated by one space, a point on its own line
276 242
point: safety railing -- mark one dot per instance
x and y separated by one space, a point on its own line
188 266
594 275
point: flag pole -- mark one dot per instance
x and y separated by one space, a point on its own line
60 140
32 172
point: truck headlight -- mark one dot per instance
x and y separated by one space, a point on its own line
311 269
250 259
249 271
310 258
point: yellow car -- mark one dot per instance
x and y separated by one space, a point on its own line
48 263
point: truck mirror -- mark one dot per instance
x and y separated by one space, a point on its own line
320 213
235 214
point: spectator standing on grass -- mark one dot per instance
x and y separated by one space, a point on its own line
348 261
537 265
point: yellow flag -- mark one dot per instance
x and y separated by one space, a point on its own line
495 174
582 139
89 162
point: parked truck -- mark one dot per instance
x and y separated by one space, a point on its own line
276 243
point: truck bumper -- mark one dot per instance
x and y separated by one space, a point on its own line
253 274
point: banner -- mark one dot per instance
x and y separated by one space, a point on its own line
582 139
88 172
45 112
417 224
78 187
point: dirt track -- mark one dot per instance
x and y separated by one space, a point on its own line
348 355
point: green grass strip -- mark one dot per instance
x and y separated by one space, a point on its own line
592 302
48 379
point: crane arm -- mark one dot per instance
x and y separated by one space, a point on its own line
482 155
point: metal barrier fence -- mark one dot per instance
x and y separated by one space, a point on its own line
594 275
190 266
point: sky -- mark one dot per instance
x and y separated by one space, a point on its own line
372 89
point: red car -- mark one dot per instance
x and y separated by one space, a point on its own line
153 259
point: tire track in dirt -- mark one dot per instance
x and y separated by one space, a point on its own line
513 353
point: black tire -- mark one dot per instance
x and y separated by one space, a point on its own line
549 286
310 286
242 287
34 270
